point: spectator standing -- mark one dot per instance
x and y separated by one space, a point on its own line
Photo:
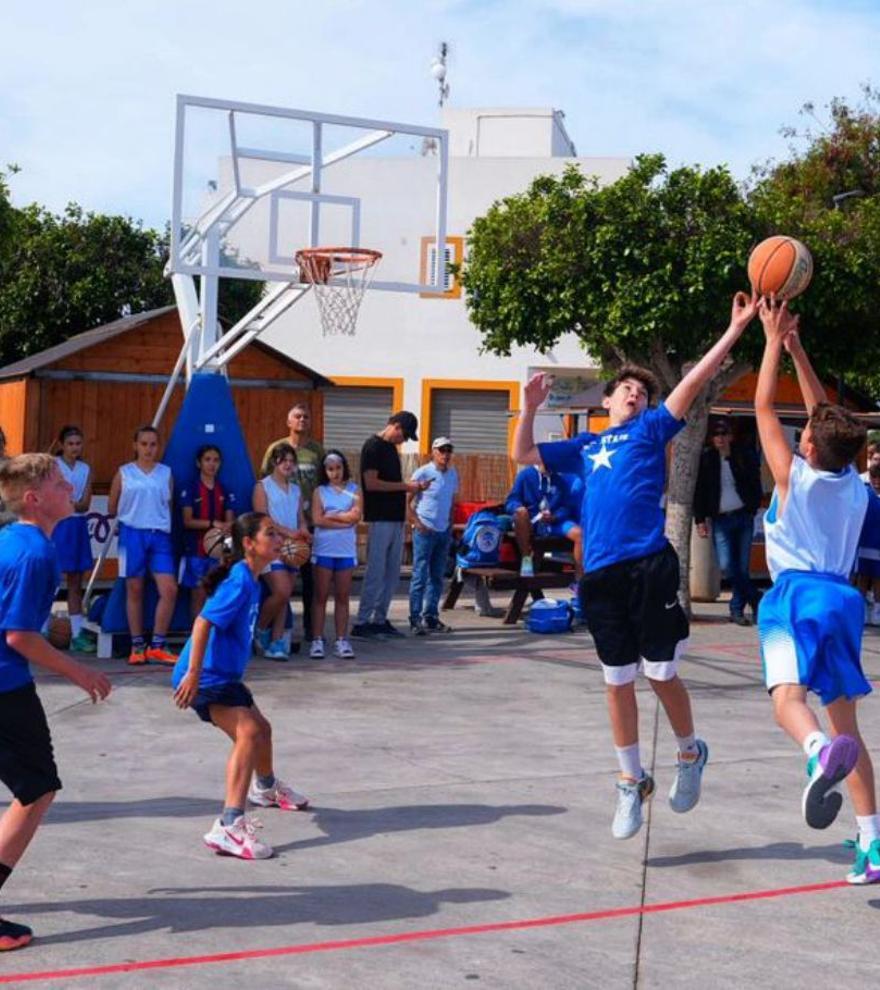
71 535
385 510
309 455
873 451
726 498
430 512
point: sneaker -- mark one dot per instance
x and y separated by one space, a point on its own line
238 839
13 936
493 612
316 650
262 639
527 567
740 619
363 630
280 795
342 649
417 627
866 868
137 658
158 654
276 651
386 629
826 769
83 643
685 790
631 795
433 624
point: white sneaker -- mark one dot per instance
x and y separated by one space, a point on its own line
280 795
316 651
685 791
238 839
343 649
631 795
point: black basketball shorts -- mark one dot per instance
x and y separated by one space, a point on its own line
632 610
27 763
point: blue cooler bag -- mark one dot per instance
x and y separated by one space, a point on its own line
547 615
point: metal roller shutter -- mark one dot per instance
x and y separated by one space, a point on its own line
473 419
352 413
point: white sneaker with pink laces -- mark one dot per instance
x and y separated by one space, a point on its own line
279 795
238 839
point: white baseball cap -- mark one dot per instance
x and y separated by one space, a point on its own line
442 442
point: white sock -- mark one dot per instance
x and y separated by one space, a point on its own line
76 624
814 742
869 830
687 744
630 761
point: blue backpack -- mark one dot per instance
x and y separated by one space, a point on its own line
481 541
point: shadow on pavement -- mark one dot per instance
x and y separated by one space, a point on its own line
774 850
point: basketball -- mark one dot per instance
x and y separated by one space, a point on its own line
294 553
780 265
215 542
59 632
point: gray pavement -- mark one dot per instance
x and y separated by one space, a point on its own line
459 782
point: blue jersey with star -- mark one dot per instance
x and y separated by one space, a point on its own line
624 472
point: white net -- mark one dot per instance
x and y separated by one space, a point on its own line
339 277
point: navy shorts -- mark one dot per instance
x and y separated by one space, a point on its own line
231 695
27 762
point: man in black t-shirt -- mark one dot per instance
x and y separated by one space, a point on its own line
385 494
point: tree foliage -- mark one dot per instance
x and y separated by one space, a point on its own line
61 275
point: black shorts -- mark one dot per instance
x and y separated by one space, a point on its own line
27 763
232 695
632 610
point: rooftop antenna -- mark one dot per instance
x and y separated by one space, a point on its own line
438 72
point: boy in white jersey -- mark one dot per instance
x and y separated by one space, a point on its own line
810 622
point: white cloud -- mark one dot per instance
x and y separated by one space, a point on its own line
87 90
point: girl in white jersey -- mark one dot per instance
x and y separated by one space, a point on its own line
336 511
810 622
279 496
140 496
71 535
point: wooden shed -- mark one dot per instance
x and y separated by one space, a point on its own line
110 380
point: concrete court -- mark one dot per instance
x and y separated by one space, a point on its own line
458 782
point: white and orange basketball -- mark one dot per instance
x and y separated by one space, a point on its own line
59 634
294 553
215 542
780 265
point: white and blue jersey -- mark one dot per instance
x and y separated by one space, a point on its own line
810 622
282 506
145 499
29 579
336 542
624 473
232 611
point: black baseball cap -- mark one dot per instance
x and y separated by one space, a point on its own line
408 422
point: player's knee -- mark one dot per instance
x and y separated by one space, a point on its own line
619 677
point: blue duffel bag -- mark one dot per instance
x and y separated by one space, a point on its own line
547 615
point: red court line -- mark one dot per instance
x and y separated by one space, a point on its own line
419 936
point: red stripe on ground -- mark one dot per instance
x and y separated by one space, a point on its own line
418 936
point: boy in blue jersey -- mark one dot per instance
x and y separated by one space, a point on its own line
541 504
208 678
810 622
39 496
630 586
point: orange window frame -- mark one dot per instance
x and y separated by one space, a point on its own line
456 245
469 385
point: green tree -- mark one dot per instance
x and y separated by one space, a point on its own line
642 270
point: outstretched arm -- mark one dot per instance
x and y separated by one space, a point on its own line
773 440
812 388
681 398
525 451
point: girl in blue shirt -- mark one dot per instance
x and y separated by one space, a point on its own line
208 678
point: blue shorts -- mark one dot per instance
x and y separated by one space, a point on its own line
555 528
234 694
142 550
193 569
72 543
810 626
335 563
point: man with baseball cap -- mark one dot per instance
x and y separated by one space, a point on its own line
430 512
385 494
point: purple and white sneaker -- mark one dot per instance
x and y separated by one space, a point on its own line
826 769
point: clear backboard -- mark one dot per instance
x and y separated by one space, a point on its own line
254 184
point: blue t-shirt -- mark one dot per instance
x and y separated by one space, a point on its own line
29 578
232 612
434 505
624 471
531 487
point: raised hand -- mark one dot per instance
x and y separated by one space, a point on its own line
743 310
775 318
537 389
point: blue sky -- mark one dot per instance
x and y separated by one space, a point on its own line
87 89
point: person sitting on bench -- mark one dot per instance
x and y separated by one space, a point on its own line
540 504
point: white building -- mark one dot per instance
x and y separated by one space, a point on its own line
421 352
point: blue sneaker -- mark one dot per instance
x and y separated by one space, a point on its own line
866 868
631 795
826 769
276 651
262 639
685 790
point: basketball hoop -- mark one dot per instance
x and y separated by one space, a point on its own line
340 277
